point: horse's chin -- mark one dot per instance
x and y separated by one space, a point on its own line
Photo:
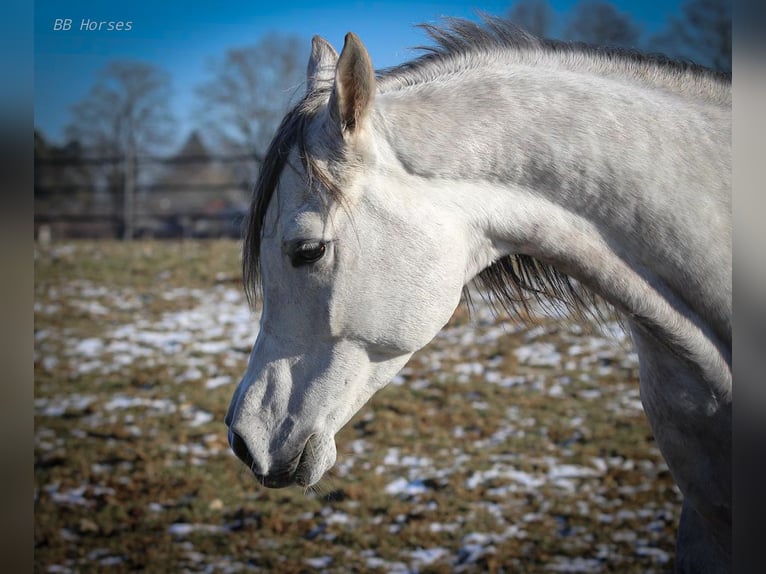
318 457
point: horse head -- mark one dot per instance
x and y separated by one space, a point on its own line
354 267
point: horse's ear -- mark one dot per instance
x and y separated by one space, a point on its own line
351 99
322 62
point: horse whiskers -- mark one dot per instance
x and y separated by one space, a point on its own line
311 489
322 488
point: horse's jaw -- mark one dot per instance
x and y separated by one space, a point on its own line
285 413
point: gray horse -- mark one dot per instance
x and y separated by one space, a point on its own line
519 163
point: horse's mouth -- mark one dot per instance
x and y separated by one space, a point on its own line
299 471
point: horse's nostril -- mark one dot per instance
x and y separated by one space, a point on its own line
239 447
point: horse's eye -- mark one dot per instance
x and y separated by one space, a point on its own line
307 253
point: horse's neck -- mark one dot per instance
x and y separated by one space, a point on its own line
624 188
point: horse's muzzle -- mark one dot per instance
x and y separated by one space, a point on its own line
297 471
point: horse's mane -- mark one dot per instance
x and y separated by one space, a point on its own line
291 133
516 279
465 44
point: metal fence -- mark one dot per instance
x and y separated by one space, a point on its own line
142 196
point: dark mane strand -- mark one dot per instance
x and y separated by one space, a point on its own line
291 133
511 283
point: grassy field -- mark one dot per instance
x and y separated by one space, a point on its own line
501 447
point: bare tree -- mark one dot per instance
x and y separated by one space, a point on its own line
600 23
126 109
248 92
535 16
126 113
701 33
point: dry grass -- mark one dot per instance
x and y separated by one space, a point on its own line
499 448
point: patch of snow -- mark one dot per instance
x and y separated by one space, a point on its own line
120 402
212 347
199 418
191 374
424 556
70 497
216 382
406 487
182 529
569 564
538 355
338 518
444 527
657 554
524 478
89 347
58 406
556 390
571 471
321 562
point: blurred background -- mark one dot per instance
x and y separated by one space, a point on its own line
156 130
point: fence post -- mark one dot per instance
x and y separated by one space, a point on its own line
129 194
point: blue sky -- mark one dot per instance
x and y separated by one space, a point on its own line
181 37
